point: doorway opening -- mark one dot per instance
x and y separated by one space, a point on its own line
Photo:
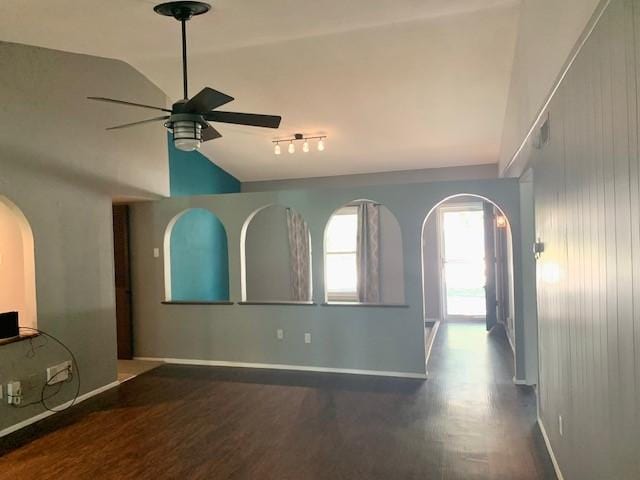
467 267
128 367
462 268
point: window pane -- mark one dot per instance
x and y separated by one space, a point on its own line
463 235
342 233
342 273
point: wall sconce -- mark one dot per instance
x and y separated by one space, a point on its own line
501 221
298 137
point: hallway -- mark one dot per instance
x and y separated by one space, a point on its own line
468 421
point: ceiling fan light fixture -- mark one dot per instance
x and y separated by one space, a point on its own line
187 135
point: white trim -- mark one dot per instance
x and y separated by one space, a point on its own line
517 381
591 26
432 340
556 466
43 415
275 366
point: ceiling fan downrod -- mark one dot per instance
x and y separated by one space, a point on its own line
183 12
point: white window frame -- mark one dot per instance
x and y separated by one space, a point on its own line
340 296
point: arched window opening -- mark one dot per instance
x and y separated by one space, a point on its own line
196 258
276 255
17 265
363 255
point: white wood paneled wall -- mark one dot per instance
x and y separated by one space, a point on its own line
587 193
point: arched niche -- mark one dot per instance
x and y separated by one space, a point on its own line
363 255
196 259
433 271
17 264
276 256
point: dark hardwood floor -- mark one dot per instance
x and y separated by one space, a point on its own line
468 421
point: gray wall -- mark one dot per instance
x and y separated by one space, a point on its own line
267 256
587 200
391 261
445 174
61 169
381 339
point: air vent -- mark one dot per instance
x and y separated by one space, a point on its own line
543 134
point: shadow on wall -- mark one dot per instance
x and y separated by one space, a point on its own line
196 258
17 264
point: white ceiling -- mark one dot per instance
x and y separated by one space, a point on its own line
395 84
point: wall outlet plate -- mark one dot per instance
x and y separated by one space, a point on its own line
14 393
307 338
58 373
280 334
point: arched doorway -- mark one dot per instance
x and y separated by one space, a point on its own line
17 258
467 265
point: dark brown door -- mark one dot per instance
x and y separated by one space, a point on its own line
123 281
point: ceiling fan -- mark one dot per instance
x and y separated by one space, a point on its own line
189 118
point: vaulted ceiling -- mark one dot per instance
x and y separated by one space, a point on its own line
395 84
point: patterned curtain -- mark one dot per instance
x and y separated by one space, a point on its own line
300 256
368 253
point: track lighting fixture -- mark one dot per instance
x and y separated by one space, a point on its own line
299 137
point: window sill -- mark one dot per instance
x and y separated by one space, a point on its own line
309 303
196 302
368 305
21 338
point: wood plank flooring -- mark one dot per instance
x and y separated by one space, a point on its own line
468 421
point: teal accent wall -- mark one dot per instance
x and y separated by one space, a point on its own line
191 173
199 250
199 258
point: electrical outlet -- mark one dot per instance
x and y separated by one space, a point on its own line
307 338
560 426
14 393
280 334
58 373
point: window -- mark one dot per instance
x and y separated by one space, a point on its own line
341 258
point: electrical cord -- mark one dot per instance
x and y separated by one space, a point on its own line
70 371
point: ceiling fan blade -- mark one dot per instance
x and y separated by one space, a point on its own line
251 119
206 100
133 124
122 102
210 133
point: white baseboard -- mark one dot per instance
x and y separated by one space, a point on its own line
43 415
556 466
274 366
519 381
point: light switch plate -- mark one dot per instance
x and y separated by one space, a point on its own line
307 338
156 253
